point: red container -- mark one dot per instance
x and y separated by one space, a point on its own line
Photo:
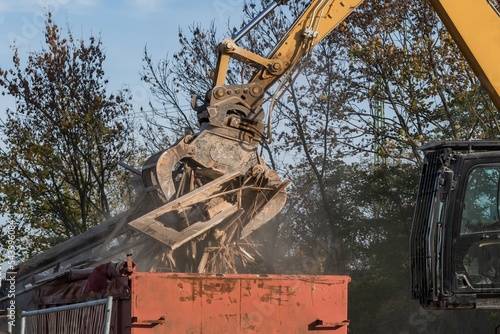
243 303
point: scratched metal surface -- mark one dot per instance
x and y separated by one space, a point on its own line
199 303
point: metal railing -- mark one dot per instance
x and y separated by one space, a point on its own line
74 318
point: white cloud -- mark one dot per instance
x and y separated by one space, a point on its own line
30 6
14 6
147 5
84 3
4 6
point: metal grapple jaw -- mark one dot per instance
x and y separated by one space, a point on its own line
211 191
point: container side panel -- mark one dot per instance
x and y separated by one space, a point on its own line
198 303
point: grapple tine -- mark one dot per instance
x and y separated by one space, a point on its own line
201 187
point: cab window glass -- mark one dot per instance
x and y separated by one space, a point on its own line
482 263
481 202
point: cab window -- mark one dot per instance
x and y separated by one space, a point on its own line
479 239
481 201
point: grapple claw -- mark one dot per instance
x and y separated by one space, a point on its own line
204 186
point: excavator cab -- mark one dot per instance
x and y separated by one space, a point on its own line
455 236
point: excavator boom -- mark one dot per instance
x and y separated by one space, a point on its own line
315 23
475 27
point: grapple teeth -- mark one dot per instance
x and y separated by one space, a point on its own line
204 184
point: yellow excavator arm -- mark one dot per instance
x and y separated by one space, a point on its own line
475 27
316 22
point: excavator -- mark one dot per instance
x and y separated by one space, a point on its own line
211 190
204 196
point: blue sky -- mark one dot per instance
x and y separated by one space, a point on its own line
125 27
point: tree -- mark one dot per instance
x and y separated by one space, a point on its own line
399 53
62 143
169 80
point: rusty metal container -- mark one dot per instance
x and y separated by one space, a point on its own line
243 303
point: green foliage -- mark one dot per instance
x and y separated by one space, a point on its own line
381 285
400 53
62 144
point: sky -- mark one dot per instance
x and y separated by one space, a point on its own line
125 28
